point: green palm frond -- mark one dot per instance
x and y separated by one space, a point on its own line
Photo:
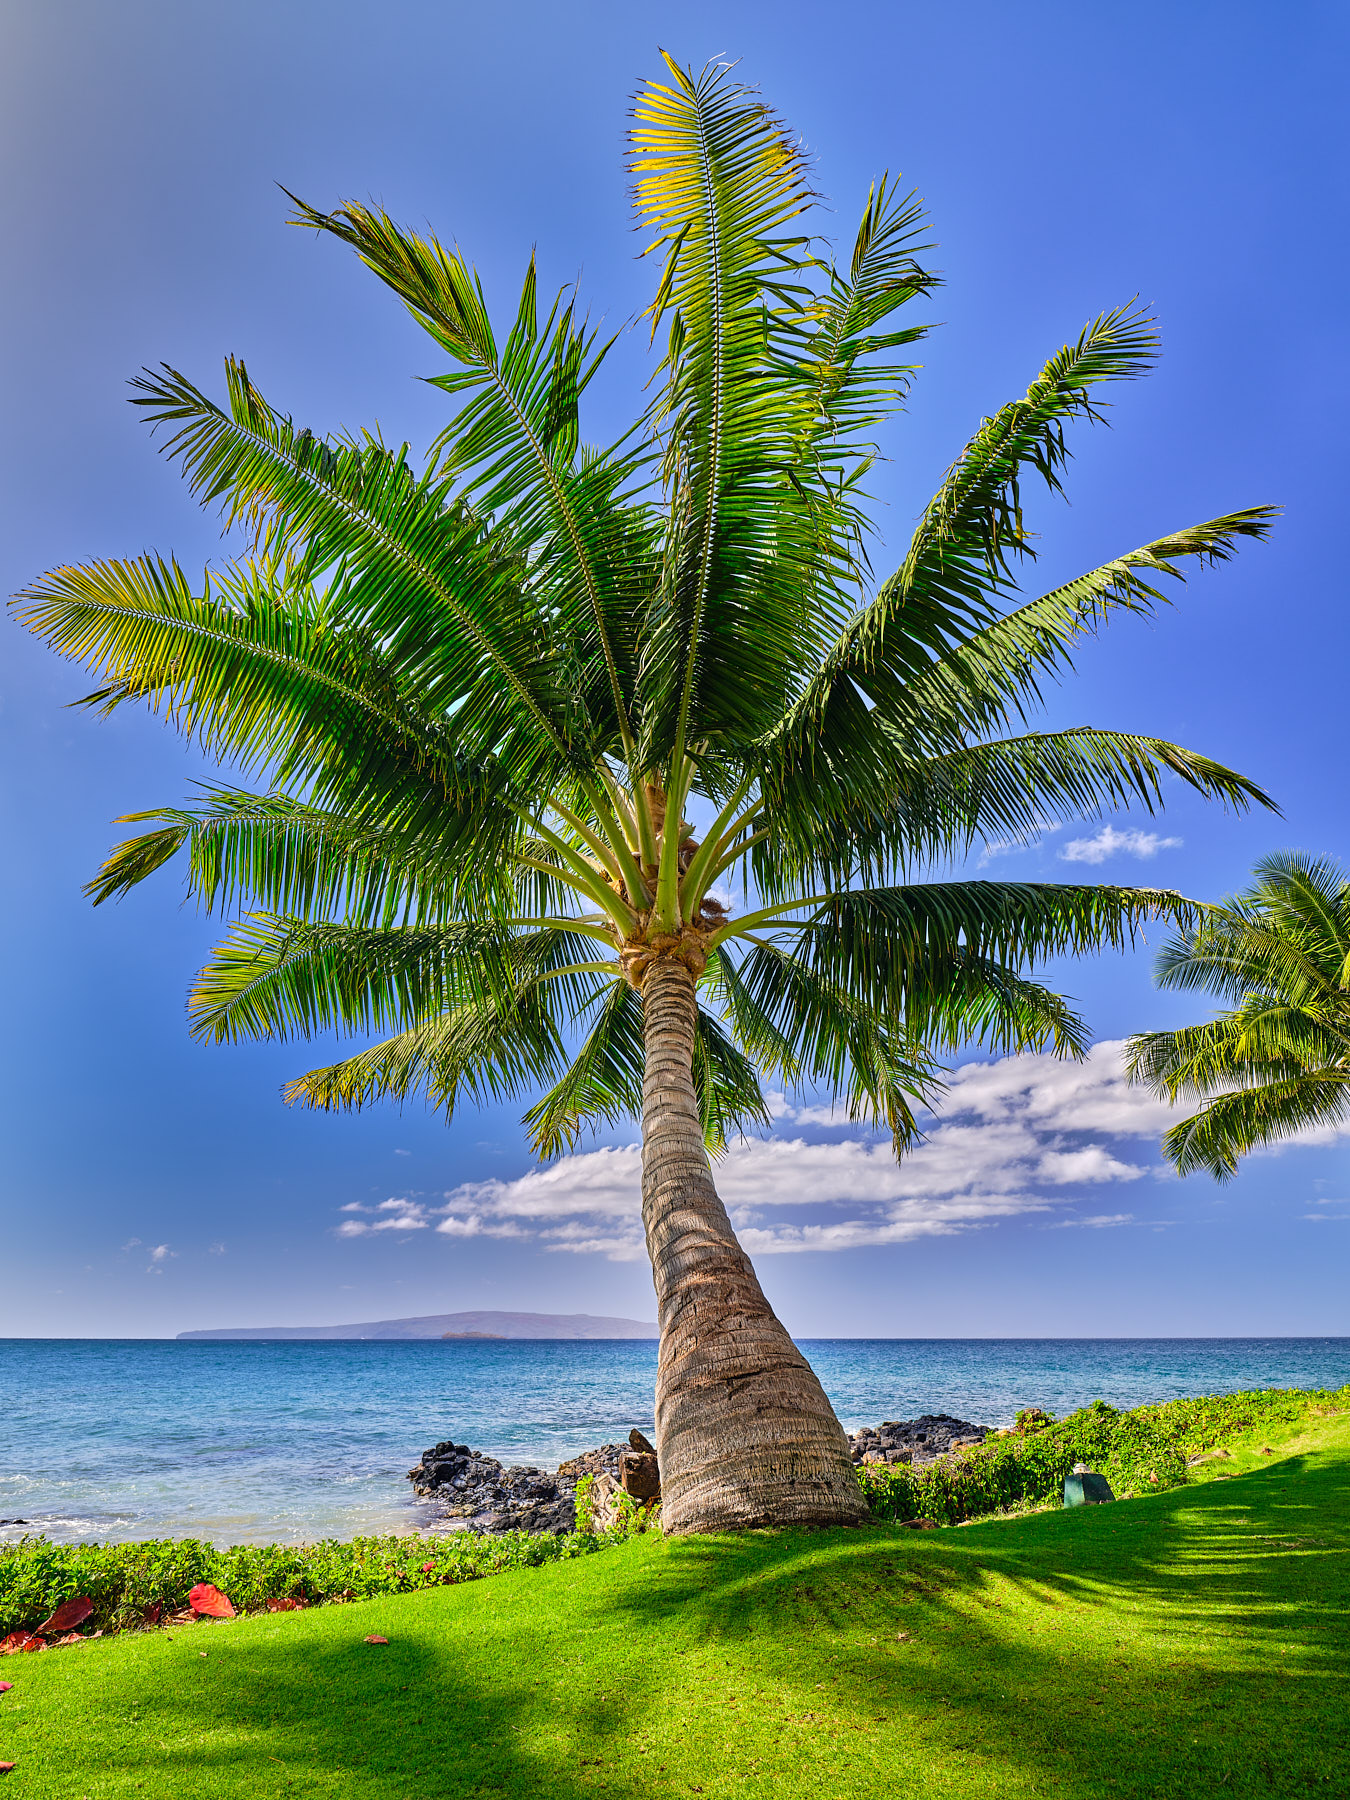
992 676
450 611
717 180
255 669
513 446
486 1053
945 805
727 1085
851 716
603 1081
875 941
277 853
846 393
838 1042
277 977
1278 1061
1215 1139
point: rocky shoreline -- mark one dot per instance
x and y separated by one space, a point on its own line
477 1493
916 1441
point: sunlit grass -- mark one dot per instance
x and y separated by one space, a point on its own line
1188 1644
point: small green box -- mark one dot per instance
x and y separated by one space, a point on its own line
1087 1490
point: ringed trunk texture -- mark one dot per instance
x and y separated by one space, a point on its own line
744 1431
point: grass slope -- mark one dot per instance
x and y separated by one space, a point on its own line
1189 1644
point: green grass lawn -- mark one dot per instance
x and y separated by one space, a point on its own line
1192 1643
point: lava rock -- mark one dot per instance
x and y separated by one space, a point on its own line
476 1493
639 1476
915 1441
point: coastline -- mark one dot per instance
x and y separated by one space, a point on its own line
261 1442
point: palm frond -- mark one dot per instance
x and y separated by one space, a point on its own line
844 734
414 573
486 1053
603 1081
986 679
512 447
1216 1138
277 853
277 977
255 669
1277 1061
716 181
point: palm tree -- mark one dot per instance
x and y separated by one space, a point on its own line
492 696
1278 1062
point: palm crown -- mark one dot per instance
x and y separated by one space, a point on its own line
487 694
1277 1062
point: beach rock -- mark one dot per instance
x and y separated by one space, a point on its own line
639 1442
604 1461
639 1476
476 1493
915 1441
605 1502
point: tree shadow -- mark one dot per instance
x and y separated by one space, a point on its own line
1191 1644
1196 1642
340 1716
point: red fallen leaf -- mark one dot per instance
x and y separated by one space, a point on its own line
285 1605
18 1641
210 1602
5 1768
376 1640
154 1612
5 1686
67 1616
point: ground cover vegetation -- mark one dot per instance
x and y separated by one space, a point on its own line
1144 1450
521 712
1189 1643
1277 1062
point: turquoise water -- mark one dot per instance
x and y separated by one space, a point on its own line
259 1442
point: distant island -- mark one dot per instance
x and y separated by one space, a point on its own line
496 1337
572 1326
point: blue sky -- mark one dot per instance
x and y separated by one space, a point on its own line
1070 158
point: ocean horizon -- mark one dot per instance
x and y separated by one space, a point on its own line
267 1440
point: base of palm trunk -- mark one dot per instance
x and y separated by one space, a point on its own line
747 1436
743 1428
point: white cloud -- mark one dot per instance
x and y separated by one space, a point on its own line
1110 842
1044 1094
159 1255
390 1215
475 1225
1017 1137
1031 839
1095 1163
1094 1222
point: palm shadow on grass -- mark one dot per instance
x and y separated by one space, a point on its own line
342 1717
1193 1644
1250 1581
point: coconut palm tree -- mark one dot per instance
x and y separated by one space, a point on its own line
1278 1062
520 713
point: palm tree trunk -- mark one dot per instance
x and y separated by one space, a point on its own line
743 1429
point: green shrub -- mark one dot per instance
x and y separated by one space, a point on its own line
1142 1451
127 1581
1031 1418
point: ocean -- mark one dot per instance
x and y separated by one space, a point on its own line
288 1442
